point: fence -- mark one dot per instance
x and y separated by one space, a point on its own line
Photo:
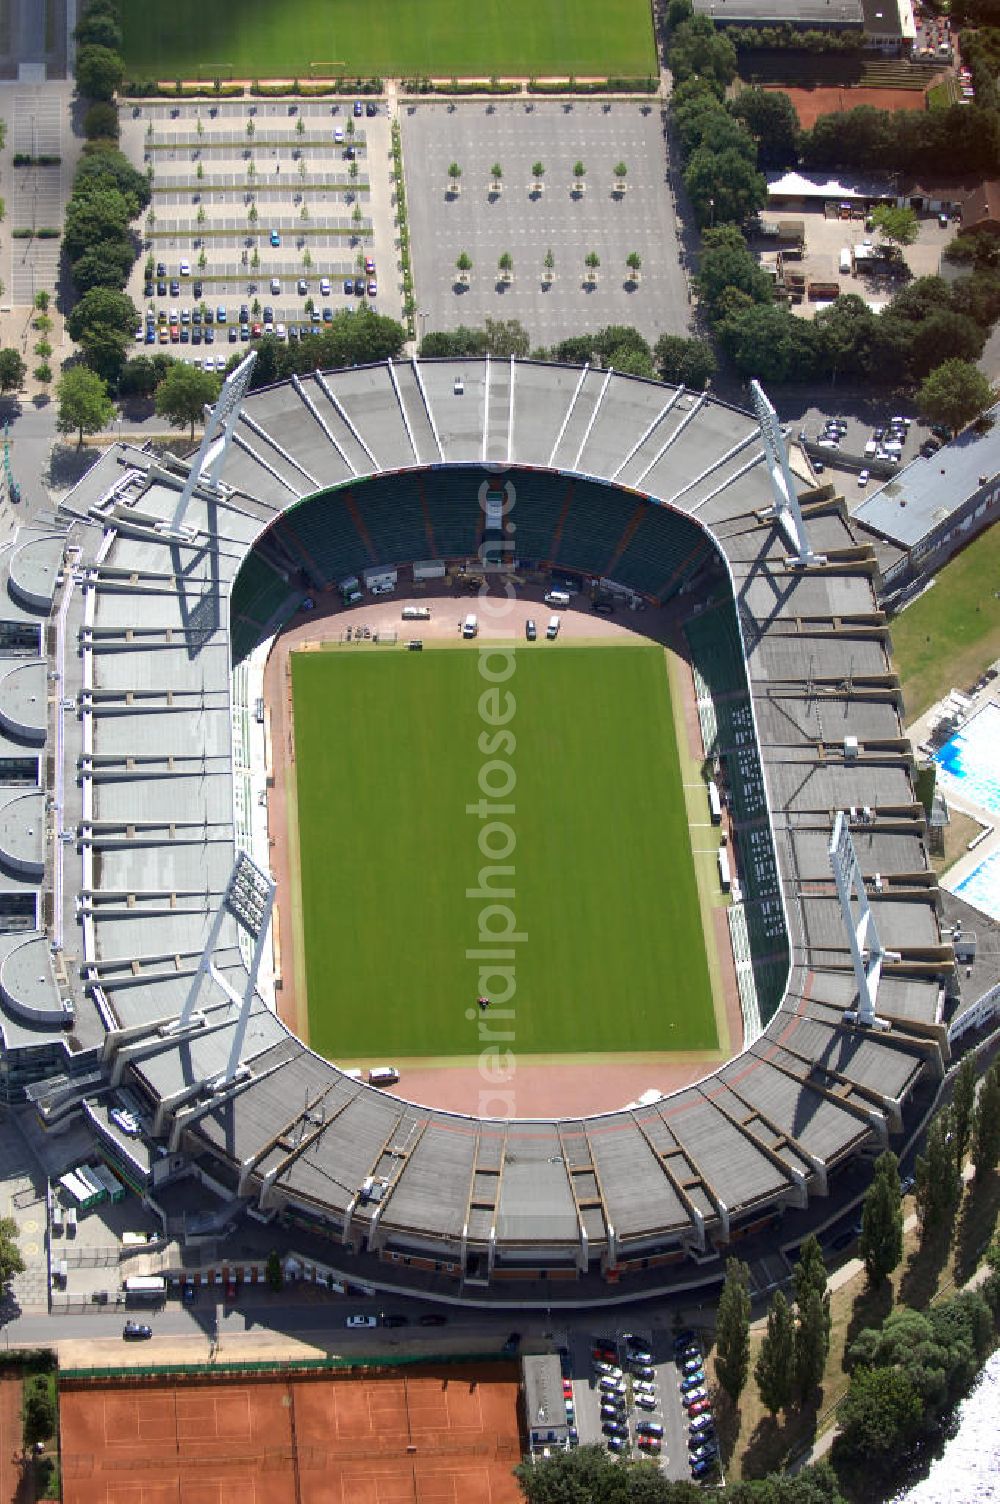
279 1368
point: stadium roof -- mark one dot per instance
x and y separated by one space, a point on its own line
820 185
924 494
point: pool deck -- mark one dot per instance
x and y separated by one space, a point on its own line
985 846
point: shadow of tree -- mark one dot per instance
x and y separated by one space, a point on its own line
774 1440
727 1421
976 1224
870 1309
923 1271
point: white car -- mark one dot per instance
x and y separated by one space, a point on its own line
185 268
610 1369
338 134
864 476
362 1321
324 286
646 1401
281 331
275 286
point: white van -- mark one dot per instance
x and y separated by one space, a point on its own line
557 598
383 1075
552 630
470 626
416 613
845 261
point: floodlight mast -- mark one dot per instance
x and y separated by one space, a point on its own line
219 428
249 899
787 511
867 951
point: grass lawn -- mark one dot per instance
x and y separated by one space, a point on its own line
947 637
265 39
387 758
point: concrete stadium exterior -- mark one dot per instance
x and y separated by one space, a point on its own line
119 675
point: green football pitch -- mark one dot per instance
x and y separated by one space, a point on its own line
391 748
389 38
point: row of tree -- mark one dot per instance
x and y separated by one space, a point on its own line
589 1475
688 362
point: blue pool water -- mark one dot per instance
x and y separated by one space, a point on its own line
982 887
972 759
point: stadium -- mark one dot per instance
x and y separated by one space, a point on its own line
137 969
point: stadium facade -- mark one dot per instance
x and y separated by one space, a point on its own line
125 715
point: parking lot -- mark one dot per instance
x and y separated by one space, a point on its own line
487 220
277 212
627 1396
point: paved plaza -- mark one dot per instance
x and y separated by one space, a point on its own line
258 196
485 224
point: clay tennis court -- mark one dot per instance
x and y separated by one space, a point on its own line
447 1435
811 103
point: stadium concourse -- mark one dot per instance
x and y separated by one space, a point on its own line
129 932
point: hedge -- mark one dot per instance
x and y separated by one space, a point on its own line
605 86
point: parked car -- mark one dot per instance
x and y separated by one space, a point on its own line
693 1380
700 1407
136 1331
361 1321
600 1366
864 476
275 238
645 1401
694 1397
690 1366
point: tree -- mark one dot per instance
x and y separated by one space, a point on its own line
102 310
84 404
273 1272
12 371
938 1177
882 1221
549 263
592 261
139 378
579 173
11 1262
725 188
538 172
107 263
898 226
879 1419
697 49
464 266
963 1101
621 173
585 1475
633 262
104 166
99 29
688 362
812 1332
41 301
505 337
726 263
954 393
183 394
506 266
99 72
454 174
39 1411
774 1370
986 1125
101 121
732 1330
496 175
770 117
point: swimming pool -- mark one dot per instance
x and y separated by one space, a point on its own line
972 759
982 887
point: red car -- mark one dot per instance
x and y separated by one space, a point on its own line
567 1389
256 331
649 1443
605 1355
700 1407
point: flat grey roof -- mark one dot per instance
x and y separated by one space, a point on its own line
926 491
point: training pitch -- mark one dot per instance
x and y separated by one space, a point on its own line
389 38
390 749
